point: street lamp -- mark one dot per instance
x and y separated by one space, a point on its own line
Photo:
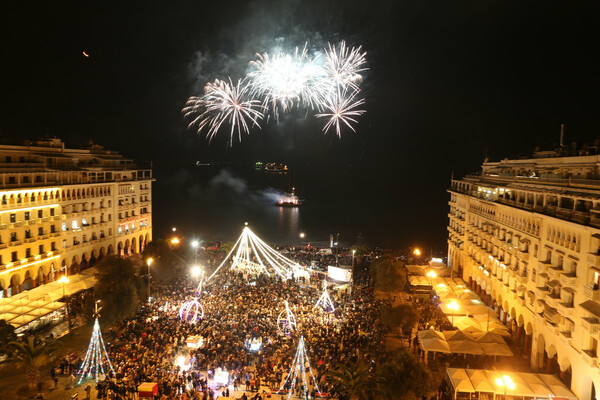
64 280
431 275
302 235
196 270
195 244
149 262
453 306
417 252
506 383
353 254
175 240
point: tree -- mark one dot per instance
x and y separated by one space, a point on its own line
404 373
168 262
355 380
119 287
31 356
402 317
389 275
7 334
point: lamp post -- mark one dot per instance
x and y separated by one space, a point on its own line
506 383
149 262
64 280
453 306
195 245
431 275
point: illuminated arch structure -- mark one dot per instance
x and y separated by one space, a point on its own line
286 321
253 256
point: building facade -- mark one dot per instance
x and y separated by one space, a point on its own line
62 210
525 234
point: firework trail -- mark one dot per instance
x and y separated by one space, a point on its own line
341 109
224 102
344 65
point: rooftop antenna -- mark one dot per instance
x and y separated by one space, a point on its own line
562 134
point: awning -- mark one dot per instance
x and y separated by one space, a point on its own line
592 307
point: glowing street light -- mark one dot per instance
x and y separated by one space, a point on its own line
506 383
431 275
195 244
174 229
196 270
453 306
302 235
64 280
417 252
175 240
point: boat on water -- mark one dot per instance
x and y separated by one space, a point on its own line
289 200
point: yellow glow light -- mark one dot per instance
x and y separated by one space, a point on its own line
63 279
14 209
24 266
417 252
175 240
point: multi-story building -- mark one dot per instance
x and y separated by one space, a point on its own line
62 210
525 234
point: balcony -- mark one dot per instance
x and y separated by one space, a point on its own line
3 226
17 224
15 243
590 324
565 309
554 272
3 245
565 337
523 255
540 292
45 219
590 356
552 300
29 240
593 258
569 279
43 237
591 293
32 222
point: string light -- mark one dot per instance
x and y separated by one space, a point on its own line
191 311
300 366
96 356
325 301
286 321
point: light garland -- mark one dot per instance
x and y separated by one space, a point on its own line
300 366
251 254
191 311
96 356
286 321
325 301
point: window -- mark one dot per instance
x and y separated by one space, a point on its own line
84 222
13 256
13 218
41 248
64 243
52 212
533 275
13 236
53 246
40 231
8 159
27 234
64 226
52 228
21 159
74 224
120 230
38 178
25 179
26 215
40 213
28 252
12 180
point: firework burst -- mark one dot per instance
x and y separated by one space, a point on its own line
284 81
344 65
224 102
341 109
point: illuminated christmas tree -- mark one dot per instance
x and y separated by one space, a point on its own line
298 373
325 301
96 356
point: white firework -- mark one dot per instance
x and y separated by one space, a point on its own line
224 102
284 81
342 110
344 65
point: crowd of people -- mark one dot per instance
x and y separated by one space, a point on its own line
238 310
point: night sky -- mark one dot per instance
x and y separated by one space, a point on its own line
449 83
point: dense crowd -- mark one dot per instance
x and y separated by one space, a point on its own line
151 346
